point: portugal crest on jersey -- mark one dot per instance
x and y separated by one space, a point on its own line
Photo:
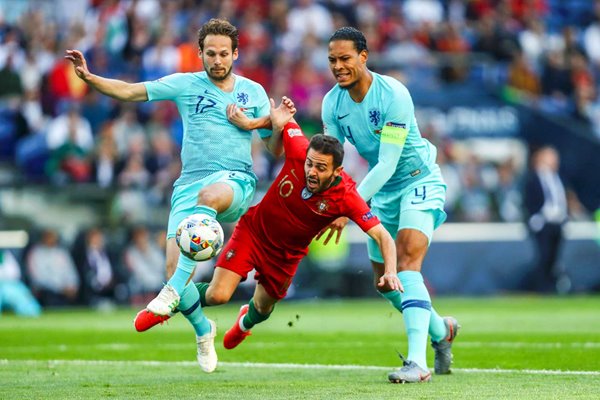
322 206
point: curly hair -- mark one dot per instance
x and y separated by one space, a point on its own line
220 27
352 34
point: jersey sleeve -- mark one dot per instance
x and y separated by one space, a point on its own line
294 141
359 212
397 120
330 125
166 88
263 108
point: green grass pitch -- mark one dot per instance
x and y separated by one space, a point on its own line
508 348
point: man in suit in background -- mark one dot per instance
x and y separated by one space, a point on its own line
546 204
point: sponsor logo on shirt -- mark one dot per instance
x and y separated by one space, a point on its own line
369 215
294 132
343 116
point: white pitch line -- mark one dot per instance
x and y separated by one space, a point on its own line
50 363
316 345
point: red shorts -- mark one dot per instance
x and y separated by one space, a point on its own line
245 252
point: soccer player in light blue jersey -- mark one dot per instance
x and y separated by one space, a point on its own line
375 113
216 177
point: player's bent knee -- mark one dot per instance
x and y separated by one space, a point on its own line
264 309
208 197
217 298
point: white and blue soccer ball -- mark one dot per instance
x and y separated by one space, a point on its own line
199 237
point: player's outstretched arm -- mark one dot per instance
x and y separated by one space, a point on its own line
279 117
387 246
114 88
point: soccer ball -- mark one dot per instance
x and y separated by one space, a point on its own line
199 237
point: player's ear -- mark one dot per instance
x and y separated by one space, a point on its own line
363 56
338 171
235 54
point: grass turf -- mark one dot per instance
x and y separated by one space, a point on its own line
508 347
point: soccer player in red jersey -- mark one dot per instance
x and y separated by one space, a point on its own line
310 192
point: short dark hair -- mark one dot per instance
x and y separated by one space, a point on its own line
352 34
328 145
216 26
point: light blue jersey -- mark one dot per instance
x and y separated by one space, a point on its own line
210 142
386 113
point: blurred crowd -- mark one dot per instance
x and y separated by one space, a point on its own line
58 132
93 271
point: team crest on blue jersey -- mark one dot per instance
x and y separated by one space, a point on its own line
242 98
374 116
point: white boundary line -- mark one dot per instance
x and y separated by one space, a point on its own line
174 346
50 363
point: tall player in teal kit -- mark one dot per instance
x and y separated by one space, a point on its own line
375 113
216 177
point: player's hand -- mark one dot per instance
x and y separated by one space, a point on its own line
79 63
390 281
283 113
336 227
236 116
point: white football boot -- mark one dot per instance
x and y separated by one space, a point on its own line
165 303
207 355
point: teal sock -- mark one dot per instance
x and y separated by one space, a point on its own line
437 328
416 309
191 309
202 287
394 297
185 267
199 209
253 317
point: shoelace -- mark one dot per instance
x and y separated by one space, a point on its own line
404 360
166 294
205 346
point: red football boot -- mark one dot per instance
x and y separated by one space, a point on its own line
145 320
236 335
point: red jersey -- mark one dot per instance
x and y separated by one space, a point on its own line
289 216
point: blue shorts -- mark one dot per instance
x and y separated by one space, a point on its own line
185 197
419 206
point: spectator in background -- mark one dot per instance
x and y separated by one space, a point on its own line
69 162
546 207
105 158
145 260
96 268
506 193
13 292
51 271
522 79
70 125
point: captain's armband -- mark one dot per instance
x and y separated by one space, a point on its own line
394 133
